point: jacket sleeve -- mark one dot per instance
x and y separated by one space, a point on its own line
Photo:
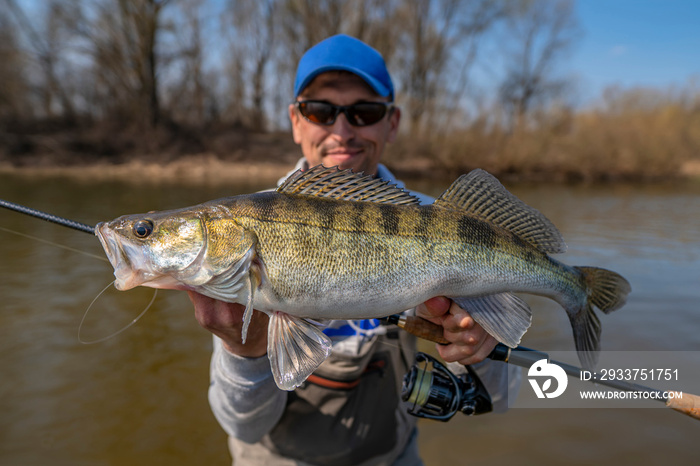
243 395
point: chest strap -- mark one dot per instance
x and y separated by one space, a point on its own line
345 385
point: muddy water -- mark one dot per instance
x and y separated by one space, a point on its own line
140 398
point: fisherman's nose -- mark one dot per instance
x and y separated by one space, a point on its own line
342 129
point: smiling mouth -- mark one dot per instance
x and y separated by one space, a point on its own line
343 154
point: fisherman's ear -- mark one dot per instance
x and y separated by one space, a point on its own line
394 119
295 119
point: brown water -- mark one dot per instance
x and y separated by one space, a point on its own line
140 398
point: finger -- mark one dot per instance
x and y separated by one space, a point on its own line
434 307
482 353
467 354
458 320
471 337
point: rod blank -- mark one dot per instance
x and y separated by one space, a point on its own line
48 217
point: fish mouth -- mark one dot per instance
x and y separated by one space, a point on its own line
127 274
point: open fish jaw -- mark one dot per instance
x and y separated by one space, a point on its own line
128 260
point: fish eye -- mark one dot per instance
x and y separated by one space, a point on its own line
143 228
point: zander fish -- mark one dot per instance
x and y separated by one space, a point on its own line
331 244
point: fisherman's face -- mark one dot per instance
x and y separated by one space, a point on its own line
341 144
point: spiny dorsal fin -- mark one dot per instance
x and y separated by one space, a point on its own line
344 185
484 197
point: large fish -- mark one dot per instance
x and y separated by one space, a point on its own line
332 244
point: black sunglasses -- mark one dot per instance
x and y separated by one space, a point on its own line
359 114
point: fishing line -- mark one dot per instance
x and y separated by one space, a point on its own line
127 326
80 227
94 256
53 219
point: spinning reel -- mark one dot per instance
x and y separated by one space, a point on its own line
437 393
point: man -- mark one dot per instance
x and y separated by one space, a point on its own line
349 411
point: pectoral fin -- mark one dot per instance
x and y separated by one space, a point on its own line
248 314
295 348
227 285
504 316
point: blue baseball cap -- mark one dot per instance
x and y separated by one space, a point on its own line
342 52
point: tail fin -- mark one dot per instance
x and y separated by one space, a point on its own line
606 291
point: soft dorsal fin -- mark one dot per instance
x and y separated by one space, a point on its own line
344 185
483 196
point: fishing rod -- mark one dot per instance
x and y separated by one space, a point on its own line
48 217
521 356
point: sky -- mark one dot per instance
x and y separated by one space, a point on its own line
649 43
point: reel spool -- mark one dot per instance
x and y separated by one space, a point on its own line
436 393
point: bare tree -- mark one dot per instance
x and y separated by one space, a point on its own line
306 22
125 56
439 48
253 35
428 32
542 33
476 21
14 93
47 40
184 90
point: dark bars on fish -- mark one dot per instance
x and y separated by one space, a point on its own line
526 357
48 217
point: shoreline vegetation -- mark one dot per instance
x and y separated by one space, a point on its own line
660 144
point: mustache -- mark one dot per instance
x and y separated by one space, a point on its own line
332 146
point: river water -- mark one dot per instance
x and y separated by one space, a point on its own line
140 398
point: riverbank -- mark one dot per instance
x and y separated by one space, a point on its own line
207 169
196 169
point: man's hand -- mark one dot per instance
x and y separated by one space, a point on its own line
225 320
469 342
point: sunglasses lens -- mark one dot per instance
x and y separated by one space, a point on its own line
324 113
321 113
364 114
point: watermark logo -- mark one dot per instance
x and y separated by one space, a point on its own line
545 371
